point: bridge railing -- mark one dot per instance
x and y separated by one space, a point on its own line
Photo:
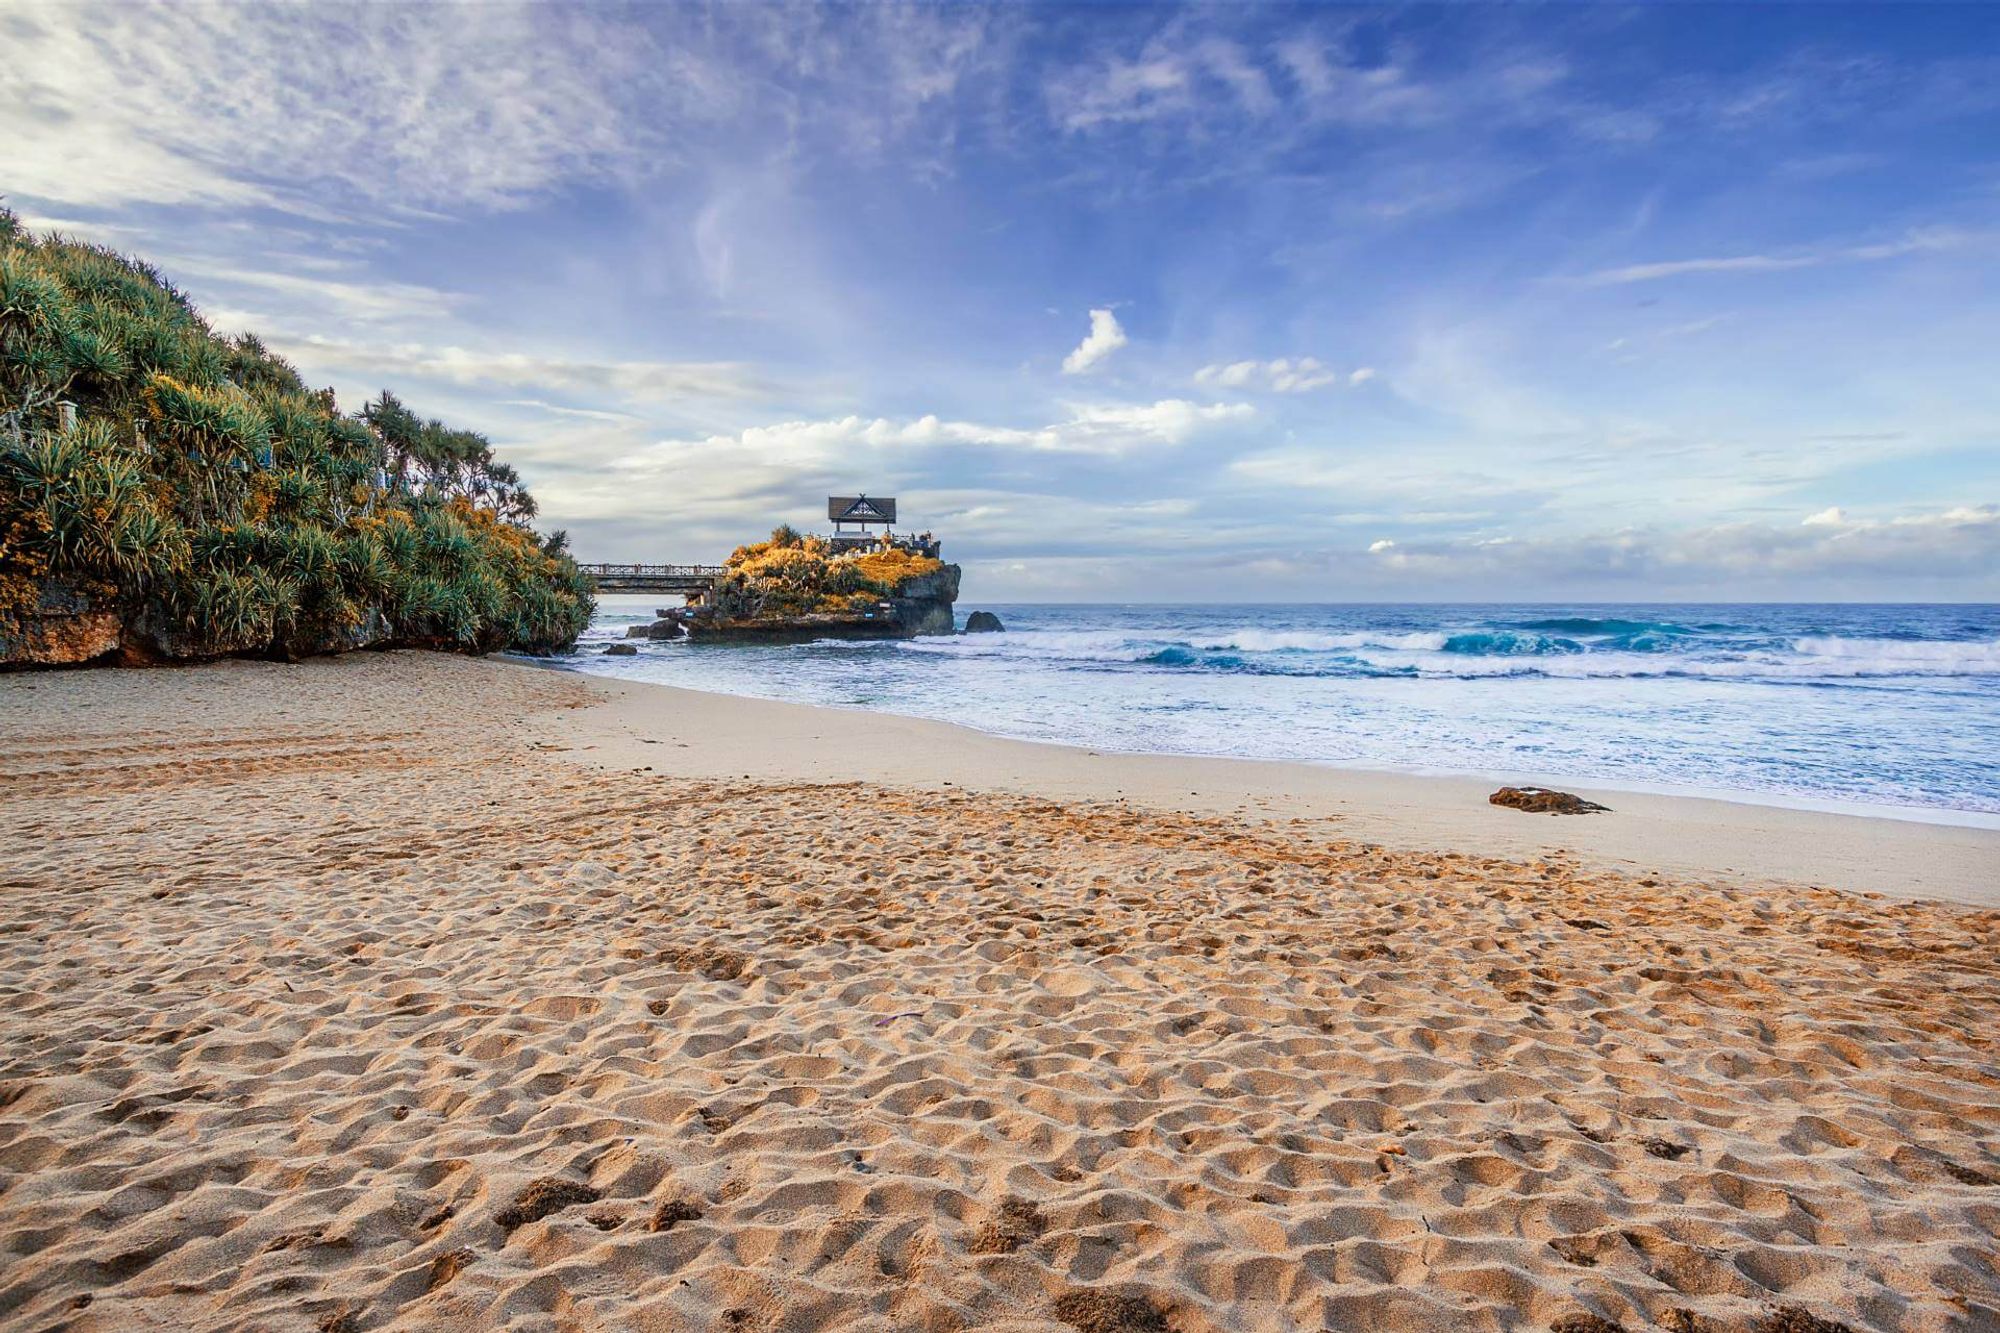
652 571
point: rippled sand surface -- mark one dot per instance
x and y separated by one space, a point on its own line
332 997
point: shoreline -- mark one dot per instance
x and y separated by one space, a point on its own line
1943 816
710 734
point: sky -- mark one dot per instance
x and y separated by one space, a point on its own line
1125 302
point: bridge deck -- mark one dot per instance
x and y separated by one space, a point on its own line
653 578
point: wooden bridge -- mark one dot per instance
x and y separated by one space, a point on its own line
653 578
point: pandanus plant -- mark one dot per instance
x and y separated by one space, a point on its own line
205 481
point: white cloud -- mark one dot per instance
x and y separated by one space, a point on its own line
1121 90
339 298
386 111
1936 546
1923 241
662 381
1088 429
614 482
418 105
1827 518
1363 375
1284 375
1104 338
1177 75
1170 421
1379 547
557 409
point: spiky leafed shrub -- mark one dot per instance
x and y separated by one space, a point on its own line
209 494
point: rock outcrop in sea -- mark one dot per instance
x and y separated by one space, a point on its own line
796 588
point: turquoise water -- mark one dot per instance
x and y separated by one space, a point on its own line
1888 706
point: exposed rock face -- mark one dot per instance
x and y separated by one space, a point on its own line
983 622
622 650
65 628
72 625
1542 801
921 605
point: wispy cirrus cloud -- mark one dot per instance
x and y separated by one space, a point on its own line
1957 545
1301 374
346 111
405 106
344 298
625 381
1926 241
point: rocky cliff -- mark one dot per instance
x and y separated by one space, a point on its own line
63 626
921 604
68 625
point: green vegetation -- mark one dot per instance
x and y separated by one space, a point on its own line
794 574
225 508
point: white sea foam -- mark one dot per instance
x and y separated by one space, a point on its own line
1283 641
1886 705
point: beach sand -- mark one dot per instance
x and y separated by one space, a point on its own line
408 991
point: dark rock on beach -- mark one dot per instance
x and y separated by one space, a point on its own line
1542 801
622 650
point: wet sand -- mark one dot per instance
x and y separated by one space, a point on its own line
1721 841
396 992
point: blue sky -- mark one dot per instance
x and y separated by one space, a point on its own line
1127 302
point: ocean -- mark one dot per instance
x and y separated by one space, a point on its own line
1893 708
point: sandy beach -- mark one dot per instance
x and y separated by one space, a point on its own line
421 992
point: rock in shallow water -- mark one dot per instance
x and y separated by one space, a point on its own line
622 650
1542 801
983 622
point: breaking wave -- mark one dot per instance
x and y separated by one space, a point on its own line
1885 706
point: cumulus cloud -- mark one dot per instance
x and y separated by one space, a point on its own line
1087 429
611 482
1104 338
1285 375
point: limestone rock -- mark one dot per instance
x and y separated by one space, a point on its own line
66 627
983 622
622 650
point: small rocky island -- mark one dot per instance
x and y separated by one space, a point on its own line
797 587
